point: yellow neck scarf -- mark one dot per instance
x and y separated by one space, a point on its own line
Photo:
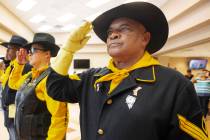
119 74
36 73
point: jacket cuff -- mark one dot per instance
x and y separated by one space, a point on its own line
62 62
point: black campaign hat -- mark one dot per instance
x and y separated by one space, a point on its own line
15 40
47 41
146 13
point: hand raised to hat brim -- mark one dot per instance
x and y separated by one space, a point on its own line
21 56
78 38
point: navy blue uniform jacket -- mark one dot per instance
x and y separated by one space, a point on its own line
144 106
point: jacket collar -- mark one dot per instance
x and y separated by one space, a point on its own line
141 75
145 74
102 72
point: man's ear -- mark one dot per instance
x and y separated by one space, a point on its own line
48 54
146 37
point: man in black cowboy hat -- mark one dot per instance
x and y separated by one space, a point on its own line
38 117
8 94
134 97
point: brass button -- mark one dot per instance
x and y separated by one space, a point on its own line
100 131
109 101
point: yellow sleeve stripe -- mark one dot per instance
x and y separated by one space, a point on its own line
74 77
204 126
191 129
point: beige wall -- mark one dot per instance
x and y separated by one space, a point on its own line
101 60
10 25
2 51
96 60
13 24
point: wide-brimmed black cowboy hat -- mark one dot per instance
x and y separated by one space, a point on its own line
147 14
15 40
47 41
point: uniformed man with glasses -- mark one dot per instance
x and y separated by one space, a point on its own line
38 116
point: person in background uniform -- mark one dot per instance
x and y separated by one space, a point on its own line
202 87
2 68
3 65
189 74
134 97
8 94
38 116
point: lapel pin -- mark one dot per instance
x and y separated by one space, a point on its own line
97 87
130 100
135 91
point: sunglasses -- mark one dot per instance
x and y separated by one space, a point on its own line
34 50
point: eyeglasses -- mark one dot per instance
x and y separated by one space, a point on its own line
34 50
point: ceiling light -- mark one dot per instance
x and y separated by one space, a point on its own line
96 3
26 5
68 27
37 19
66 17
44 28
58 26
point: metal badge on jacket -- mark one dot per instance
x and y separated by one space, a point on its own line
131 99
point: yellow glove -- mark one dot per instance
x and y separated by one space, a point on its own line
78 38
75 42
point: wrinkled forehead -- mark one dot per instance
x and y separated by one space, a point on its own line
126 21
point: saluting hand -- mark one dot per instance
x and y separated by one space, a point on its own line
21 56
78 38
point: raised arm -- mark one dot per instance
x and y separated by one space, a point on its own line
75 42
59 85
16 79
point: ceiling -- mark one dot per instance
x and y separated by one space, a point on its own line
62 15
